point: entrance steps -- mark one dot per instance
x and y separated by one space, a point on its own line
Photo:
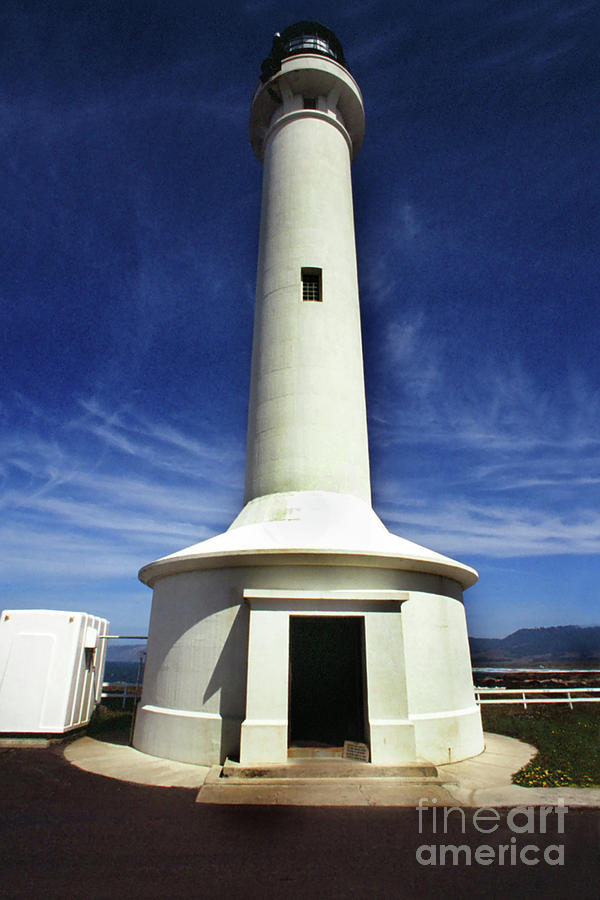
322 782
321 767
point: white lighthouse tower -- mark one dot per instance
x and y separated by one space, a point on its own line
307 623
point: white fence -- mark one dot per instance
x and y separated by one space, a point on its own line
524 696
121 690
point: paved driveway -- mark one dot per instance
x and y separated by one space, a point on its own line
68 833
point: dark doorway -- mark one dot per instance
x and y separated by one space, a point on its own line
326 680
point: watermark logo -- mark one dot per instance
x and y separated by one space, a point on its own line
435 822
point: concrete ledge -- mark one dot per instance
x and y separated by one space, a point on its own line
16 743
127 764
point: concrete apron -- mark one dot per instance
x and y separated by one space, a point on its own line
482 781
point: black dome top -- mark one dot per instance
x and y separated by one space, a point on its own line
303 37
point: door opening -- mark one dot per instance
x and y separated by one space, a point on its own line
327 683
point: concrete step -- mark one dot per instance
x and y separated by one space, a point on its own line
307 769
315 785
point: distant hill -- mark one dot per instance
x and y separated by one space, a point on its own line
563 643
560 644
124 652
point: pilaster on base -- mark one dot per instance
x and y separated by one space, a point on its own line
264 742
392 741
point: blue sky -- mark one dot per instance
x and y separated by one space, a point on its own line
128 258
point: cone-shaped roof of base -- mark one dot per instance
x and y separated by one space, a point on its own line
342 528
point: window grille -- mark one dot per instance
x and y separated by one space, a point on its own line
311 284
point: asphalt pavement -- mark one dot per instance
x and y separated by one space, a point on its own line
69 833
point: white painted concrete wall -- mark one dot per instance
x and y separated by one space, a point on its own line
307 425
265 727
437 654
202 692
194 689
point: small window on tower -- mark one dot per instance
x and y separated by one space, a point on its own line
310 103
311 284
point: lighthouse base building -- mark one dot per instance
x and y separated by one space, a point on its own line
304 625
307 624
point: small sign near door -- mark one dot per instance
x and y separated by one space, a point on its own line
356 751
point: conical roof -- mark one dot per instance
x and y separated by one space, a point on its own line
316 527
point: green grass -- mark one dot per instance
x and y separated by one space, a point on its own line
109 717
568 742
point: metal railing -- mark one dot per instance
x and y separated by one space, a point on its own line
524 695
126 689
120 690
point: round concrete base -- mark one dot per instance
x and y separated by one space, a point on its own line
217 674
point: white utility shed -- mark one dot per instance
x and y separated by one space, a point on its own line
51 669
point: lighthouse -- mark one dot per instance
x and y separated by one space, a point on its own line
307 624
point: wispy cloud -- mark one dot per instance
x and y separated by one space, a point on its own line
504 406
463 528
413 356
160 444
105 491
31 553
497 464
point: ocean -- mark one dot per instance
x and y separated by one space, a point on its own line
121 671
